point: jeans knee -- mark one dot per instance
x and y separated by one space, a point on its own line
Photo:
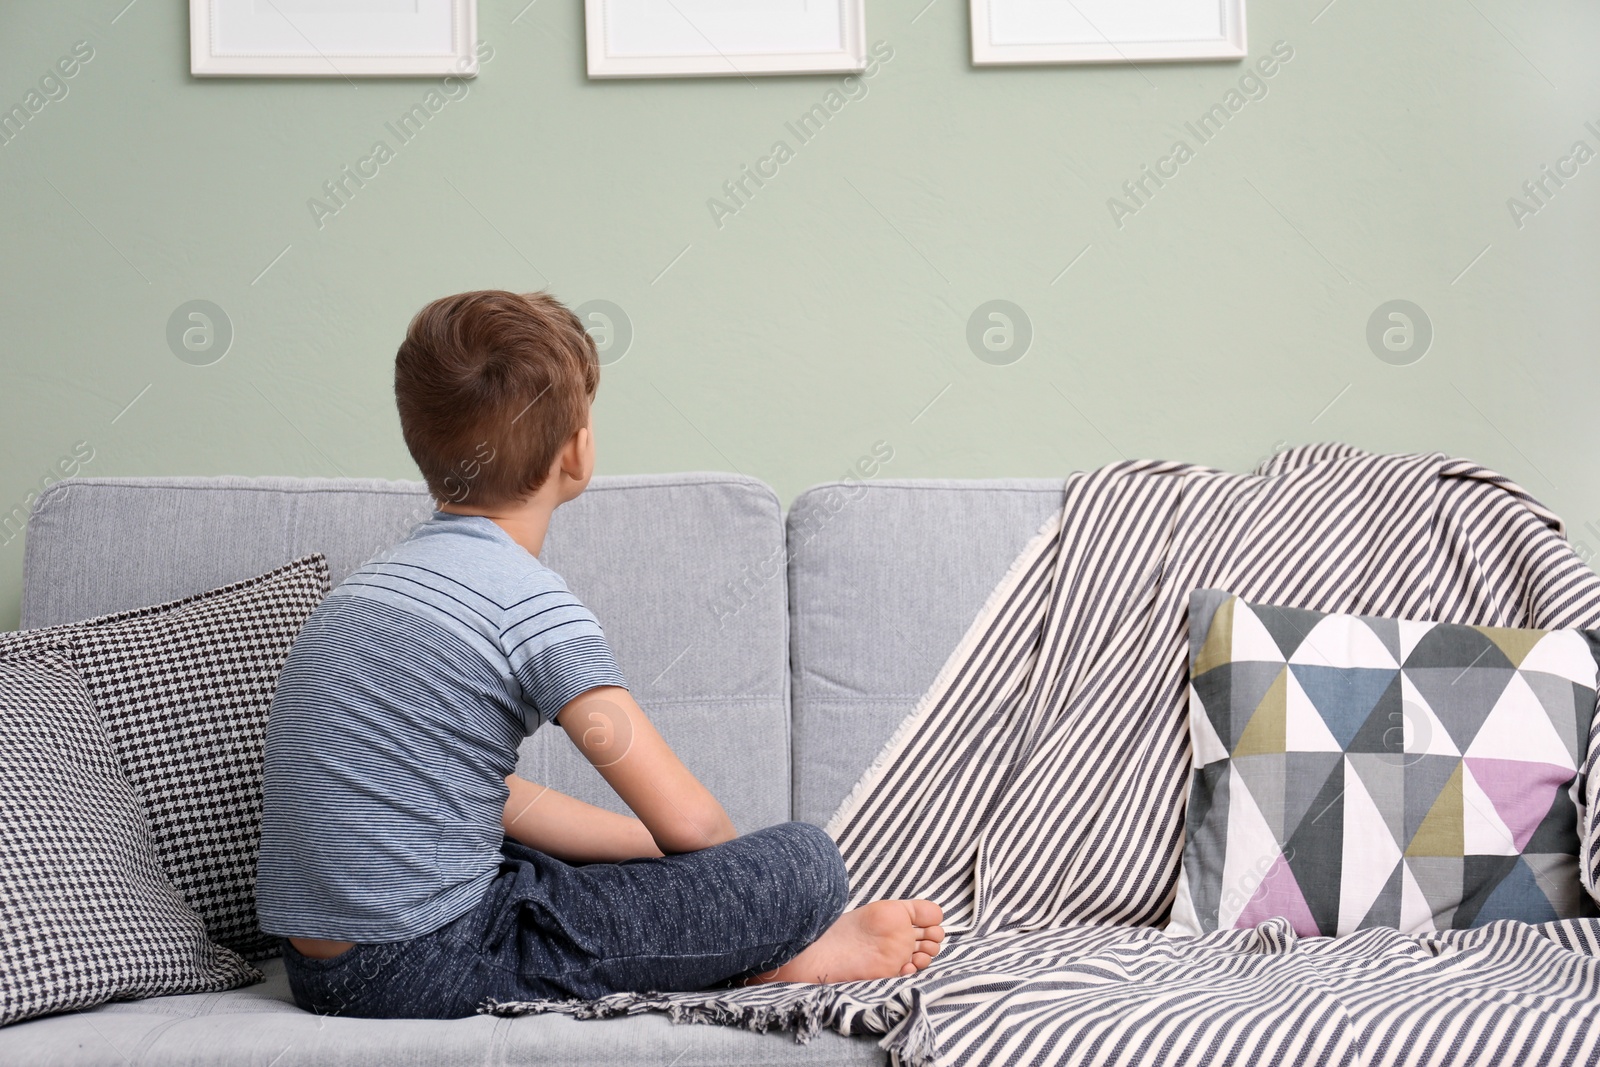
824 877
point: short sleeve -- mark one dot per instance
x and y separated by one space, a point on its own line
556 650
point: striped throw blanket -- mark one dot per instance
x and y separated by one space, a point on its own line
1037 792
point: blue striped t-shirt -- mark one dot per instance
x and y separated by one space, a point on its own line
396 719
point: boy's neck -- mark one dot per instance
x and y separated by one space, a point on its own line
526 520
525 523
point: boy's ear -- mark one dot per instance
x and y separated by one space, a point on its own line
577 457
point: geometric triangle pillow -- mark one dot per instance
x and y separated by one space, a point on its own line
1353 772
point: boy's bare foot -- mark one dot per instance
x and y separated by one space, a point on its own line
884 939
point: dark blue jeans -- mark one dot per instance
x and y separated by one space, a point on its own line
548 930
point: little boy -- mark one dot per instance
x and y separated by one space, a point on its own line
412 873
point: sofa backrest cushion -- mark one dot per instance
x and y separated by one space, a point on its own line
664 561
884 579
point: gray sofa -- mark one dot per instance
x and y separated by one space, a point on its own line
777 685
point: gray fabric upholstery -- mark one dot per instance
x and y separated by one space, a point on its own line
97 545
649 554
259 1025
884 578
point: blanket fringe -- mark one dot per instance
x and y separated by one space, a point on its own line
913 1041
805 1015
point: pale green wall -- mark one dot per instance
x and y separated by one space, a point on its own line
1220 319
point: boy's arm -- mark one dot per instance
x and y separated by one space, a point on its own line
569 829
614 733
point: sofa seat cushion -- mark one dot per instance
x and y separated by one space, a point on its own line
259 1025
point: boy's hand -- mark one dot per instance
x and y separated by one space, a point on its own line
615 735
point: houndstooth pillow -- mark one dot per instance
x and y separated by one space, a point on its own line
183 689
86 913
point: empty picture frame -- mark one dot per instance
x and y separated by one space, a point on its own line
1105 31
696 38
332 38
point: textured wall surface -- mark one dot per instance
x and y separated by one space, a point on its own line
1436 152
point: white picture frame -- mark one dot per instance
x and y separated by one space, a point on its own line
1006 32
724 38
332 38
